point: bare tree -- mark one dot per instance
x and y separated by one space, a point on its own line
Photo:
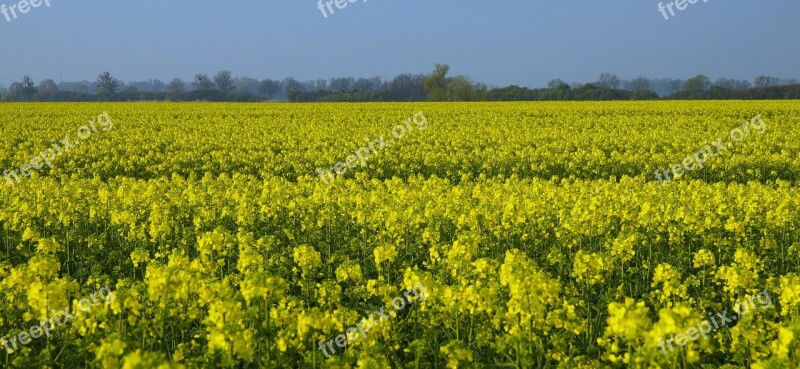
269 88
224 81
291 85
202 82
14 91
675 85
408 87
377 83
766 81
28 90
24 90
363 84
732 84
342 84
321 85
176 87
247 85
640 83
608 80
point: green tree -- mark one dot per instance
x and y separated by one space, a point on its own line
460 88
697 85
436 83
556 83
106 85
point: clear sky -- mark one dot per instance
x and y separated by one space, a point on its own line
524 42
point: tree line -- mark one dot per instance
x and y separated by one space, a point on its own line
435 86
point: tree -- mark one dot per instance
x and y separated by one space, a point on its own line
82 87
608 80
176 87
291 85
363 84
321 85
732 84
157 85
269 88
47 89
308 86
436 83
247 86
697 85
555 83
224 81
407 87
342 84
459 88
766 81
14 92
729 84
129 90
640 83
674 85
106 85
202 82
26 89
377 83
556 89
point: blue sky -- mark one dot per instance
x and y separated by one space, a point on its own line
524 42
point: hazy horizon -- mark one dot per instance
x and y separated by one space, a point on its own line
518 42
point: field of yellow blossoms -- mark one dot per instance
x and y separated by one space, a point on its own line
515 235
